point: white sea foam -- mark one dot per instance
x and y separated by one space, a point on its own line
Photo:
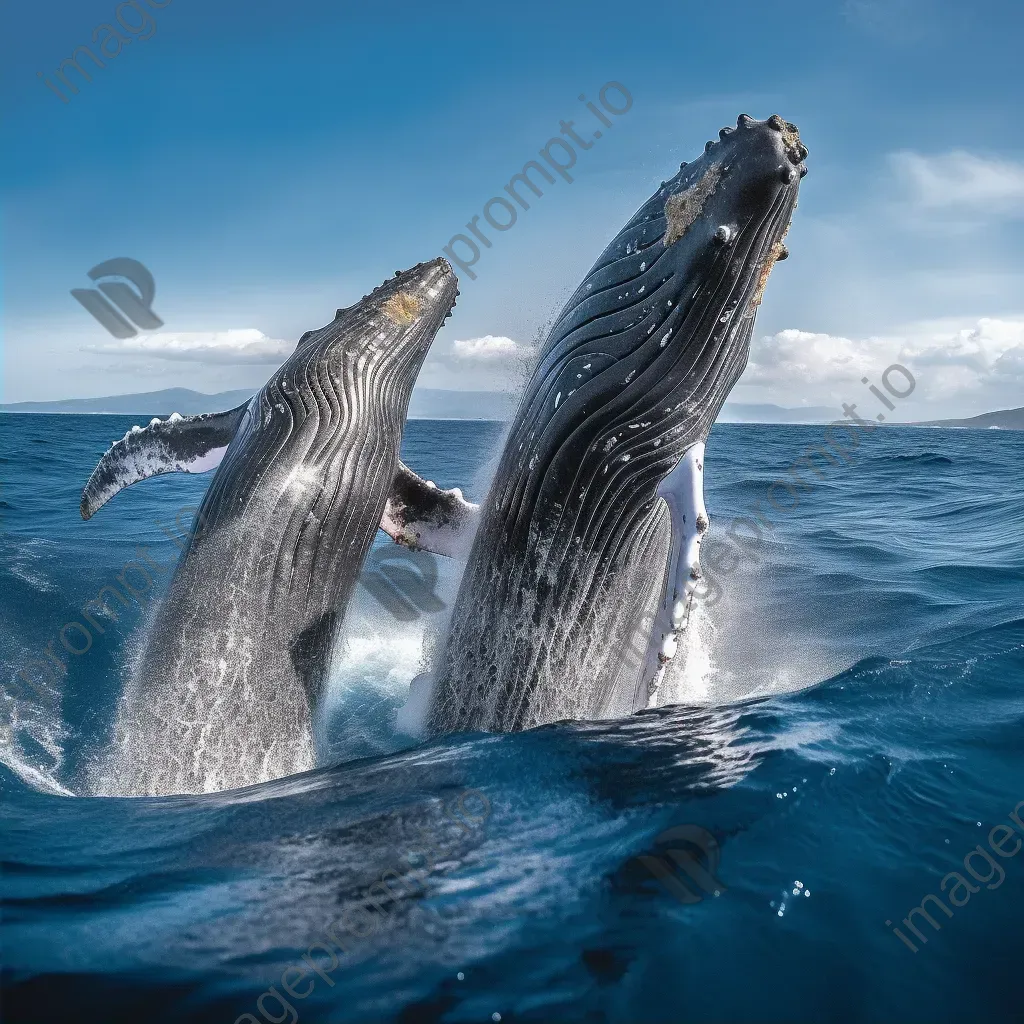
374 665
32 732
691 675
33 735
26 562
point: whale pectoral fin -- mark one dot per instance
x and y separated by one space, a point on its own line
179 444
683 493
423 517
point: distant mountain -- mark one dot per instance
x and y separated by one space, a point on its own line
737 412
437 404
427 403
1006 419
153 403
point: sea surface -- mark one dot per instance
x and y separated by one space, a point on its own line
842 730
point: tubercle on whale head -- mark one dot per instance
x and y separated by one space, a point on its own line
754 168
421 291
396 322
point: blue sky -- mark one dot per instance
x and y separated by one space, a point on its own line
269 162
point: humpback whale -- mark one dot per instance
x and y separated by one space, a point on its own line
588 540
227 677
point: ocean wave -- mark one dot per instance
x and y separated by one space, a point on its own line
921 458
844 722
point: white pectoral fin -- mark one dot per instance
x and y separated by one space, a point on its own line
421 516
179 444
683 493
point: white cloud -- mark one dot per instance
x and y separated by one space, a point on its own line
1011 364
990 351
961 180
980 366
230 347
491 349
487 363
801 357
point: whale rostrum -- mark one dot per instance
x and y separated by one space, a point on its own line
588 541
228 676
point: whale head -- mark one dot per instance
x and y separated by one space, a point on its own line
364 363
672 299
726 217
639 362
388 331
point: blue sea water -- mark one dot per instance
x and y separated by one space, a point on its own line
847 726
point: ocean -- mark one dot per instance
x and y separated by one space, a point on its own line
820 823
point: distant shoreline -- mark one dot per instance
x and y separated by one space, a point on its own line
438 404
950 425
75 412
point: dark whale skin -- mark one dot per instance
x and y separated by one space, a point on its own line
572 538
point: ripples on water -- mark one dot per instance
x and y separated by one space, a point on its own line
852 712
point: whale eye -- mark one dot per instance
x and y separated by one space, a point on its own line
724 234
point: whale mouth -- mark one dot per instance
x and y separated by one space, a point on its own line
430 277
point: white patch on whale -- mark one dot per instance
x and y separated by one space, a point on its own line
682 490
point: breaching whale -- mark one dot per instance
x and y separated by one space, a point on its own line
224 686
588 540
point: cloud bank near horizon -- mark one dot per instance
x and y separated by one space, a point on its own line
974 366
961 368
232 347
